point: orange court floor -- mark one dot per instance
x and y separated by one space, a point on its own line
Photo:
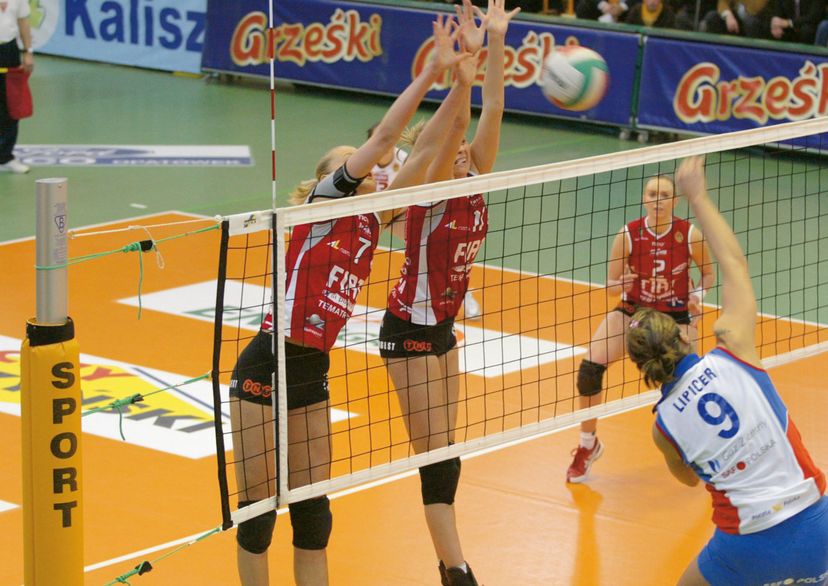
520 523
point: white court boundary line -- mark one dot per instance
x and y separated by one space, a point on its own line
571 420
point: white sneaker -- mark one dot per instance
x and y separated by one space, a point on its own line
15 166
471 307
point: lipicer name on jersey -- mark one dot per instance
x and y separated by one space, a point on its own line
693 388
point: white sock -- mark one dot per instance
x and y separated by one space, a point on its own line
587 440
463 566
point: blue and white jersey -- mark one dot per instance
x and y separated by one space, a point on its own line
726 420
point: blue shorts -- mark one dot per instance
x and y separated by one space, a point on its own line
793 552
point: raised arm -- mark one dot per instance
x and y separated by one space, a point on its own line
486 140
388 131
433 137
471 38
735 328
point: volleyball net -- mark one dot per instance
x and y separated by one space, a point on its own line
540 280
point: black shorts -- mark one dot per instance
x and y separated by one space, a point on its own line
307 373
682 318
399 338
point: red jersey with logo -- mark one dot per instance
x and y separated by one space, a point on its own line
441 243
662 263
327 263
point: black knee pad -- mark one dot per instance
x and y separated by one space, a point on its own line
312 523
438 482
590 378
254 535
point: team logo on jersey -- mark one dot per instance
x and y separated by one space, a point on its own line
449 293
680 268
679 237
315 321
451 225
336 246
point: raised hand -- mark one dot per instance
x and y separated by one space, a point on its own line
471 35
497 19
690 179
466 69
446 33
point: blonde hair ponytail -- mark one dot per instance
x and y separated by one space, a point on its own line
655 346
301 192
329 162
412 133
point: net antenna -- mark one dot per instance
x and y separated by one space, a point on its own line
541 275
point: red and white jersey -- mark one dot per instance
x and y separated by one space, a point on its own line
384 174
327 263
662 262
441 243
726 420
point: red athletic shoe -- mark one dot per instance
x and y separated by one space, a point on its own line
582 461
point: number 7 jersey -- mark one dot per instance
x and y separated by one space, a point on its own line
726 420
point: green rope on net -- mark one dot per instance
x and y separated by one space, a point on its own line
137 398
139 246
146 566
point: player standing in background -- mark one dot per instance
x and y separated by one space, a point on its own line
327 264
417 338
388 166
720 419
649 266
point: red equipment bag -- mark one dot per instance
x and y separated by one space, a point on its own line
18 95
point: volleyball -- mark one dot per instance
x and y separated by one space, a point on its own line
574 78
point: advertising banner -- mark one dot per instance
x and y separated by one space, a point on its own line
379 49
710 88
157 34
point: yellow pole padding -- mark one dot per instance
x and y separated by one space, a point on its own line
52 482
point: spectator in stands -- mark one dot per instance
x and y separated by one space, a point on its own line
689 13
822 34
653 13
747 18
796 21
602 10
